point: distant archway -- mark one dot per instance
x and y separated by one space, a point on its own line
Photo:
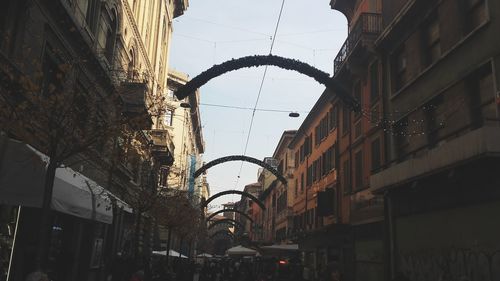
226 220
242 193
222 231
261 60
240 158
230 210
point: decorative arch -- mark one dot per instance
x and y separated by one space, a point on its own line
222 231
242 193
261 60
229 210
226 220
240 158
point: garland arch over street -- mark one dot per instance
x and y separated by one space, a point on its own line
226 220
240 158
261 60
222 231
229 210
242 193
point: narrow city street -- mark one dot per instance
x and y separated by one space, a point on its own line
272 140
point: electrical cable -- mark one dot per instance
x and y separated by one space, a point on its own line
260 90
250 108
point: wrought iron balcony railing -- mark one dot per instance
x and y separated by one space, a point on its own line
367 25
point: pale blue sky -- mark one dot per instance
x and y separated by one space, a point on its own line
213 31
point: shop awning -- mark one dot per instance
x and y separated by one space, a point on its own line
22 174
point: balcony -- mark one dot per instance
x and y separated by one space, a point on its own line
133 96
162 147
362 35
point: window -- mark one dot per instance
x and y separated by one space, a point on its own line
357 130
309 176
480 88
296 160
375 146
53 79
302 183
347 176
296 191
374 83
431 119
170 94
358 172
110 39
333 118
169 117
475 14
432 48
346 114
399 68
358 96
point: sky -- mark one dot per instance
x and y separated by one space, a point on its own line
214 31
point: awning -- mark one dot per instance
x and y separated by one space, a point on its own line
22 174
171 253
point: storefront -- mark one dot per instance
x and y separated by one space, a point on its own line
82 213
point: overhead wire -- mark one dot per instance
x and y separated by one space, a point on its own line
250 108
260 89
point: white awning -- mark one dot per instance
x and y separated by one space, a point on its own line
22 175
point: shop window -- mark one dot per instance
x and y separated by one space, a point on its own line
399 74
358 164
431 40
475 14
376 157
374 82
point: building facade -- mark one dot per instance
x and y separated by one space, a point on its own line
100 48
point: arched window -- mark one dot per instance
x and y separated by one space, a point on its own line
111 37
131 65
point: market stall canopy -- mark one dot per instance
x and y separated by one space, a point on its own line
240 251
22 176
171 253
